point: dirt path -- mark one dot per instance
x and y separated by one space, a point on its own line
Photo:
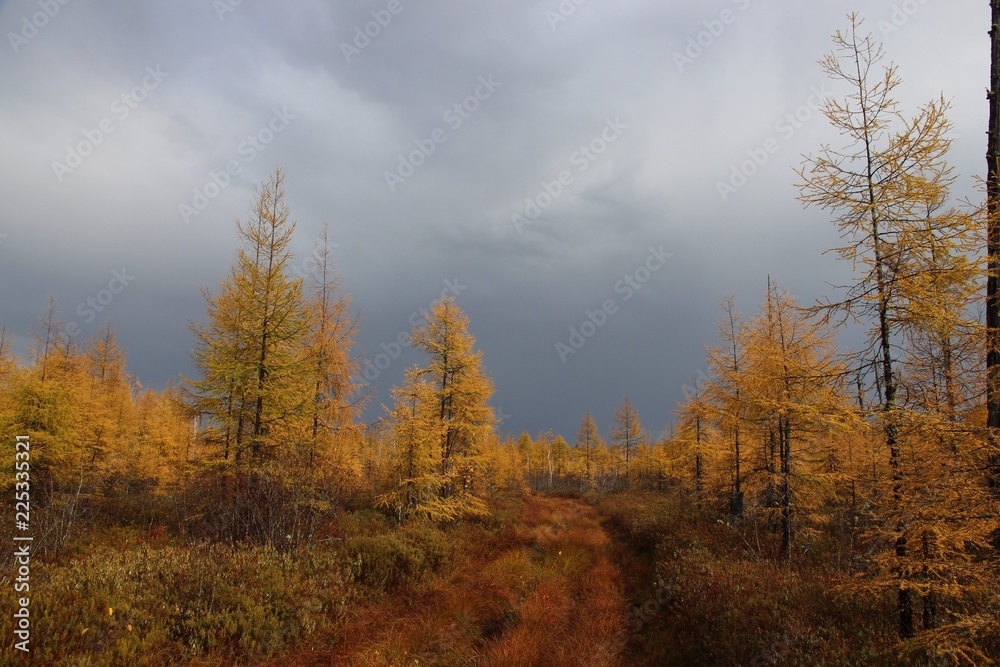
550 596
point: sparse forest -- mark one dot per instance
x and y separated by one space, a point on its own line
808 504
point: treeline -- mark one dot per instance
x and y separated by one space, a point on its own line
626 459
264 445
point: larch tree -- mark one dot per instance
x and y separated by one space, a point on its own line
560 451
461 387
52 406
588 442
888 189
252 353
46 338
941 329
877 186
416 437
110 422
696 437
627 434
543 456
6 357
725 369
9 369
443 415
943 343
526 449
330 341
791 392
166 434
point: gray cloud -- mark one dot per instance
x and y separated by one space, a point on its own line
655 185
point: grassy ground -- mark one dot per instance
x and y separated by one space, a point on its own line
622 580
533 585
542 592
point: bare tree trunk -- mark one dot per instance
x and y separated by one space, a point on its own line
548 456
993 247
786 485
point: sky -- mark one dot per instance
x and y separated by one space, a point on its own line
588 179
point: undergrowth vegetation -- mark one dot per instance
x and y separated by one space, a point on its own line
130 597
704 593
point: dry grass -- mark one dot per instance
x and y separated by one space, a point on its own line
535 584
549 595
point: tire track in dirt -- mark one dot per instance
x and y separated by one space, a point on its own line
551 594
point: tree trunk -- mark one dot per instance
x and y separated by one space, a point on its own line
931 552
904 596
786 486
993 247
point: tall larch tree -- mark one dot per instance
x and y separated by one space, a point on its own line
877 187
335 401
696 438
447 400
588 442
461 393
727 396
252 353
627 435
793 393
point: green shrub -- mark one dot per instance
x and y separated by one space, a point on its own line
405 556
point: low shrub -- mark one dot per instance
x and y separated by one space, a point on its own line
394 559
146 605
710 599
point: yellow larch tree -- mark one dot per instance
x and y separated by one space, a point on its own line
627 435
444 406
588 444
885 189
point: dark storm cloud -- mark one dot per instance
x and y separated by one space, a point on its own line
696 89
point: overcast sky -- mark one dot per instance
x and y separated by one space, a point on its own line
617 120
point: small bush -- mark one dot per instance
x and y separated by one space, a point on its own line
395 559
